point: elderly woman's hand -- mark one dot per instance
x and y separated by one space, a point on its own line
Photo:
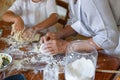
49 36
56 46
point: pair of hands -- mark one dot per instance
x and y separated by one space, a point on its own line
51 40
53 44
27 33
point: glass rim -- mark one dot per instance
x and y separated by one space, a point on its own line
77 42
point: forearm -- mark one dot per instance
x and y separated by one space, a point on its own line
9 16
66 32
47 23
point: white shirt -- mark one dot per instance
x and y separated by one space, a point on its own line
94 18
33 13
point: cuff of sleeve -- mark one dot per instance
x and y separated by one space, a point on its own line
101 42
75 26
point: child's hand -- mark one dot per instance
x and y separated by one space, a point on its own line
19 24
28 34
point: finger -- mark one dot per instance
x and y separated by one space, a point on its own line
23 35
44 50
49 47
30 35
50 43
43 40
52 51
49 51
26 35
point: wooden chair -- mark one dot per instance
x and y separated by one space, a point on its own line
65 6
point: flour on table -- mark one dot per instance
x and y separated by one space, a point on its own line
17 64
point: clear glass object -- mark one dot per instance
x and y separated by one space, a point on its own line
1 32
51 72
80 62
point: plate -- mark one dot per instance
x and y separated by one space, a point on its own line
5 61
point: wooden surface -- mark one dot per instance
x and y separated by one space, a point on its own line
64 5
104 62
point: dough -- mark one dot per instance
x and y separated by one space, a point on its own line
1 62
17 36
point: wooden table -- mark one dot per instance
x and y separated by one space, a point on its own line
106 62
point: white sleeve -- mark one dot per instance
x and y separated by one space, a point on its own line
16 7
81 29
106 29
115 7
100 23
69 21
51 7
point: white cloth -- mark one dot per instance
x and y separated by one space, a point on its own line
115 6
96 20
33 13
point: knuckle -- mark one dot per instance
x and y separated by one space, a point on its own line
54 41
